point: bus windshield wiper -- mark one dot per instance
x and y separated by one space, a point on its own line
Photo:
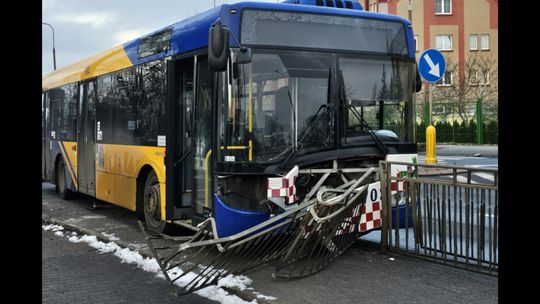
307 129
343 96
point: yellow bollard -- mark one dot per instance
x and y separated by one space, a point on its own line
431 142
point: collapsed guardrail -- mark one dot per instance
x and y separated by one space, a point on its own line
451 213
303 239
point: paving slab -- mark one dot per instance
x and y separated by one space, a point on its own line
76 273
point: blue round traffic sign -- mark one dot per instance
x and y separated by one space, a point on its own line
431 65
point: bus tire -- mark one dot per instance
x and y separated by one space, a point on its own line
61 183
152 204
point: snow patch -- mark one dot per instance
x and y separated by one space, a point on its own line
59 233
261 296
215 293
133 257
52 227
93 216
220 295
110 236
238 281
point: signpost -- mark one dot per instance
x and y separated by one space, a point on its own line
431 66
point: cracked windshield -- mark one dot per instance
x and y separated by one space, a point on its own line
283 99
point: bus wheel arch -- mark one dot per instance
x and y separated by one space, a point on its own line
148 205
60 178
141 180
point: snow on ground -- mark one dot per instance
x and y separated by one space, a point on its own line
110 236
93 217
126 255
261 296
52 227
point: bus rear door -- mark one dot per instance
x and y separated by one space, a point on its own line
86 139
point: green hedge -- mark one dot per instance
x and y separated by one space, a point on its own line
460 132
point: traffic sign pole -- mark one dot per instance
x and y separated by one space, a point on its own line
430 90
431 66
431 134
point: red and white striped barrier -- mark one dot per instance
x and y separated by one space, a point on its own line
283 189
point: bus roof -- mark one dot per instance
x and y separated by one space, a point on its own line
187 35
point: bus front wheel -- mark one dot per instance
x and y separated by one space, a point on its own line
152 204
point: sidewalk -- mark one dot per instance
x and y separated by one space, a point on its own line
361 274
464 150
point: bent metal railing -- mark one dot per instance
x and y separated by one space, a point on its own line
303 239
448 214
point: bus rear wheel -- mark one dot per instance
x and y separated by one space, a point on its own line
61 183
152 204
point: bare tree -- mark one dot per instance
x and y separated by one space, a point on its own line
479 80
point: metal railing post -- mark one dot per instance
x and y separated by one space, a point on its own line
455 219
384 229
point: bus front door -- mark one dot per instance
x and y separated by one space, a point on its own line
179 138
203 129
190 125
86 139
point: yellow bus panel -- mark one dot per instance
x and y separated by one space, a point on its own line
69 152
117 168
105 62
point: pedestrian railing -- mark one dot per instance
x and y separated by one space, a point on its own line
442 213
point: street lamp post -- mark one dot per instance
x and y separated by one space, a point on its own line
53 48
410 10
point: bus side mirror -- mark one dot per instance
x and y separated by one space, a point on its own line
418 83
218 47
244 56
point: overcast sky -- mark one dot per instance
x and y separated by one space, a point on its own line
83 28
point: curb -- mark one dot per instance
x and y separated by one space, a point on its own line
144 252
246 296
441 153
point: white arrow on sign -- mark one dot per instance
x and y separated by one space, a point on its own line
435 71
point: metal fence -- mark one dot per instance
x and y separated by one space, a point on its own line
455 128
447 214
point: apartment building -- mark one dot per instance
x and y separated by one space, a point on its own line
465 31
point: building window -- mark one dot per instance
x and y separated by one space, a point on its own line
474 77
383 8
443 7
443 42
416 43
479 79
446 80
473 42
486 77
484 42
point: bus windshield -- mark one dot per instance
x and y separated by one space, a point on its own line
378 93
282 102
277 98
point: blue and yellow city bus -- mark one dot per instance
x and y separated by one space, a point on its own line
162 127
